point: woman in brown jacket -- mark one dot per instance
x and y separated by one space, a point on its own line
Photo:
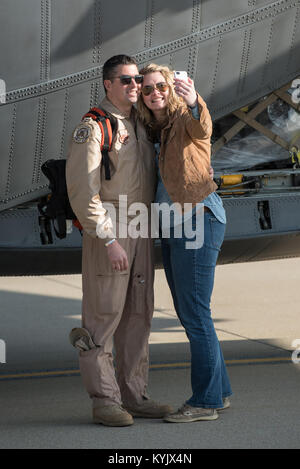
179 124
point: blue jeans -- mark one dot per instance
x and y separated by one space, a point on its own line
190 275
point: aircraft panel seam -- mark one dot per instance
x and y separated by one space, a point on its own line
214 79
193 39
149 23
95 94
247 99
268 53
11 149
45 41
196 18
196 26
22 194
230 25
40 138
247 42
97 32
63 135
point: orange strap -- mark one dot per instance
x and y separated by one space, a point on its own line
106 132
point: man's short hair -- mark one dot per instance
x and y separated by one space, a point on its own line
111 64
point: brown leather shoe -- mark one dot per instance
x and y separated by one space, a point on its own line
149 409
112 416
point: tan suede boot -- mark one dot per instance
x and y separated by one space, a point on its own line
112 415
149 409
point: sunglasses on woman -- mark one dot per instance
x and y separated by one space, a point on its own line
148 89
126 79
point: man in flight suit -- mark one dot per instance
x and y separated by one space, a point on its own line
117 272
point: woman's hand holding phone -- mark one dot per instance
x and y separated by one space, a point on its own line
184 87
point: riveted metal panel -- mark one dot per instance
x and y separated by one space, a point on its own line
280 39
242 222
166 59
29 236
236 52
182 60
255 40
206 65
250 66
17 244
214 11
125 34
20 39
24 135
58 105
244 238
11 234
285 213
293 62
72 36
171 19
223 79
258 3
244 217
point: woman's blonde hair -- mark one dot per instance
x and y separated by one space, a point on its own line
174 102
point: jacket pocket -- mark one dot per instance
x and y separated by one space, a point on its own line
193 168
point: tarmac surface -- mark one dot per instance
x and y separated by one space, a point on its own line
256 313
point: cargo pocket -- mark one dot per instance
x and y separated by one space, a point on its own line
137 294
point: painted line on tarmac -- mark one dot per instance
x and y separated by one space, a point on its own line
153 367
239 361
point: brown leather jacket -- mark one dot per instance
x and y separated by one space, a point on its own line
184 159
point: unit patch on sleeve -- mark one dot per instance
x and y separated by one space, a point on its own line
82 133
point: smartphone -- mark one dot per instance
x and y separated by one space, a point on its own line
181 75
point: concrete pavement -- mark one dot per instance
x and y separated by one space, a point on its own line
256 312
55 413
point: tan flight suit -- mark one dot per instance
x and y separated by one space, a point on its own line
117 307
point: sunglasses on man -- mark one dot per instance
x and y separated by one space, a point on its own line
126 79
